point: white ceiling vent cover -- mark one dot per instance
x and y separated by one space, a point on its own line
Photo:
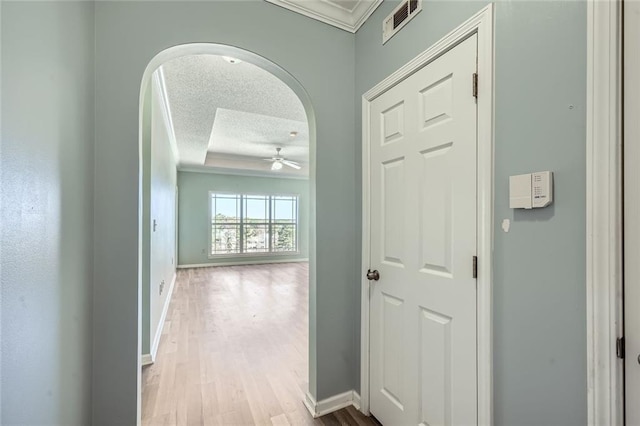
399 18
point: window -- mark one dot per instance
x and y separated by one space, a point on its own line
253 224
284 223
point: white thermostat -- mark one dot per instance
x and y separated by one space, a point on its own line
531 191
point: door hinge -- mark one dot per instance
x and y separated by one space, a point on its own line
475 266
620 347
475 85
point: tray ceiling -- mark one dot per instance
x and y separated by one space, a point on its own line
229 116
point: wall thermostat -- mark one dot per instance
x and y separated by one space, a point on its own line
531 191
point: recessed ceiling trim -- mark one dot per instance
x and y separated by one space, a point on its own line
238 172
236 157
332 13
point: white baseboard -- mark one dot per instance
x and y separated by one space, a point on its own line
331 404
356 400
241 262
163 317
147 359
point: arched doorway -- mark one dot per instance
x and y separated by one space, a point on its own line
243 55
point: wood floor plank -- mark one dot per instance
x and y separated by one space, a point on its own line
301 417
358 418
280 420
330 420
149 401
234 351
180 394
195 413
209 394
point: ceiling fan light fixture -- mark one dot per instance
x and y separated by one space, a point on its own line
278 162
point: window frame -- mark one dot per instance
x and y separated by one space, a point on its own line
241 225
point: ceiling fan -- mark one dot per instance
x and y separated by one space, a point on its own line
279 160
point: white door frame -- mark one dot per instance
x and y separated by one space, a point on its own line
604 212
482 25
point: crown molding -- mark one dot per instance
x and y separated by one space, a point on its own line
239 172
332 13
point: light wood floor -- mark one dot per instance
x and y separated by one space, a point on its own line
234 351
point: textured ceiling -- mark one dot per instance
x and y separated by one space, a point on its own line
255 135
234 111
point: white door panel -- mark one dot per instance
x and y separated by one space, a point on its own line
423 239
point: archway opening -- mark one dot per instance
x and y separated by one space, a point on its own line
151 318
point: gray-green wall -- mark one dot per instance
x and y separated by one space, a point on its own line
539 266
51 220
162 211
146 222
193 212
128 35
46 222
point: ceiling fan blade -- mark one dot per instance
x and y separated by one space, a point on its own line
291 164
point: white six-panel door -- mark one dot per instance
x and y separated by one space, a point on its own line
423 178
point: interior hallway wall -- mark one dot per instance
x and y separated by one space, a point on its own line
46 222
146 222
162 221
539 302
0 209
48 204
128 35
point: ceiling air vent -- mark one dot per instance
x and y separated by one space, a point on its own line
399 18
